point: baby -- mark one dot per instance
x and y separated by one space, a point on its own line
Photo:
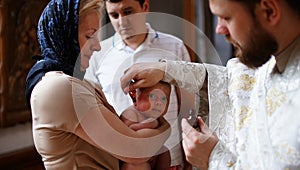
148 105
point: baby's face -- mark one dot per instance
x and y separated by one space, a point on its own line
153 102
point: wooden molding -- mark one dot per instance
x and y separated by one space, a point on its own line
190 16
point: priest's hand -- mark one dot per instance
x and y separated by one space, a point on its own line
198 145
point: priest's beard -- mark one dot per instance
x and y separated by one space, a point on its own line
256 50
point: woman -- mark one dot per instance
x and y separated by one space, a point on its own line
73 125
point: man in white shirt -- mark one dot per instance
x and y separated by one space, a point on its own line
135 41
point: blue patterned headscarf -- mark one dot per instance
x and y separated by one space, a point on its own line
58 38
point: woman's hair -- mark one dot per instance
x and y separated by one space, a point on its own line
91 5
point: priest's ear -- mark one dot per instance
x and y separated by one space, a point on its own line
271 11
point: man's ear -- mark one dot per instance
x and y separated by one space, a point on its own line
146 6
271 11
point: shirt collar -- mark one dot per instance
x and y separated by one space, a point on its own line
286 55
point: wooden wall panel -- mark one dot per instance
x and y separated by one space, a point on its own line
18 43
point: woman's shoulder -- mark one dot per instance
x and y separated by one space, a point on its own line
54 80
52 101
54 84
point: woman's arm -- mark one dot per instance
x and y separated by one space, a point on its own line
104 129
81 133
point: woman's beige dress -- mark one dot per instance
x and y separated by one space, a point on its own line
55 121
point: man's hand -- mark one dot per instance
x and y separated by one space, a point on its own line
198 145
143 75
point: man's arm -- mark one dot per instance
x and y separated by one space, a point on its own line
185 75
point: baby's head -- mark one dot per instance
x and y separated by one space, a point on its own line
153 100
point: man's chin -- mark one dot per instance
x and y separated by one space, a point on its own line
129 37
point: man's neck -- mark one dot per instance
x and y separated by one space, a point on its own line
283 57
136 41
287 31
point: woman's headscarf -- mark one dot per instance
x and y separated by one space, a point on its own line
58 38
